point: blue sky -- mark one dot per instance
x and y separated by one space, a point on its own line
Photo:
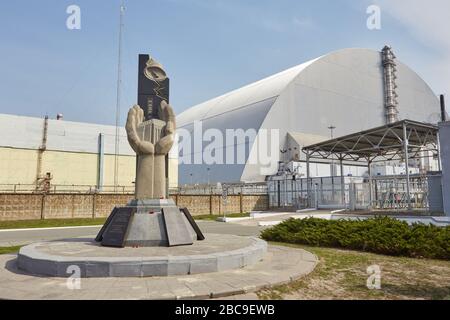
208 47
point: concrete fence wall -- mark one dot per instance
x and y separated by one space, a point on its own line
66 206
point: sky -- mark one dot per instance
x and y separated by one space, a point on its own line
208 47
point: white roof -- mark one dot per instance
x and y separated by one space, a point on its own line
262 90
26 133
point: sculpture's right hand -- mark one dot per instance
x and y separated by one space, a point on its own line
135 118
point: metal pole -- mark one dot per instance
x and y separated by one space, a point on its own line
443 112
308 175
101 160
405 150
342 181
370 184
438 152
119 97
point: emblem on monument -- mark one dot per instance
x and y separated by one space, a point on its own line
154 71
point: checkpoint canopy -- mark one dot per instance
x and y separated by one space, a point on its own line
405 139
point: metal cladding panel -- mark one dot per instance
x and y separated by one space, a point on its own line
26 133
247 117
233 101
20 132
444 139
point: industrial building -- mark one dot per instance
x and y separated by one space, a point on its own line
340 93
63 156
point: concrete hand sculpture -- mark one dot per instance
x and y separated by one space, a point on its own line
152 141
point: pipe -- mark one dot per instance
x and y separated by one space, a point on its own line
443 113
101 160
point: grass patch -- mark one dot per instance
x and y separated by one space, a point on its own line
51 223
8 250
342 274
228 215
381 235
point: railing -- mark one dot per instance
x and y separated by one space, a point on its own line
232 189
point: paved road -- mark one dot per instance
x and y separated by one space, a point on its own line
21 237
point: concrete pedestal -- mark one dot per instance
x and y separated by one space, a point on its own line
147 223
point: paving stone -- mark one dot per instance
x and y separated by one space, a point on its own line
271 271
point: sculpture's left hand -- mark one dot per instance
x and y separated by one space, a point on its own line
166 113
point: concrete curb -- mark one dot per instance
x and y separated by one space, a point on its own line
281 265
34 261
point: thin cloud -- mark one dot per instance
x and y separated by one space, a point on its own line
429 23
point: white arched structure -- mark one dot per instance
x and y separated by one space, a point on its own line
344 89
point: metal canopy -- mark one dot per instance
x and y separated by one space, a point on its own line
383 143
402 140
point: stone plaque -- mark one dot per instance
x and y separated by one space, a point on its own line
99 237
194 225
115 233
177 233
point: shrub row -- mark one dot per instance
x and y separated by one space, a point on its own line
381 235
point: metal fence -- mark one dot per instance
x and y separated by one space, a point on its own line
231 189
349 193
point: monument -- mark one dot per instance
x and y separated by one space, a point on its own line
150 236
151 219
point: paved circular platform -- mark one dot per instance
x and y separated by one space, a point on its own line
279 266
91 260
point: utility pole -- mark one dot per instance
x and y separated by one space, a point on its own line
332 168
332 131
119 97
331 128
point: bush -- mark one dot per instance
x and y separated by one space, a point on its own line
379 235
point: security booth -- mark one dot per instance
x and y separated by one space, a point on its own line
413 143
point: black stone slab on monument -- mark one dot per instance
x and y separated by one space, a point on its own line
153 86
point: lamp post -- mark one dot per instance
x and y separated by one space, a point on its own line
331 128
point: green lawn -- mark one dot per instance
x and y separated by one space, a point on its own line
228 215
342 274
8 250
51 223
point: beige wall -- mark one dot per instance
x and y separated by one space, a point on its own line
18 166
70 168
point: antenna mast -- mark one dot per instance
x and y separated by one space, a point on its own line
118 101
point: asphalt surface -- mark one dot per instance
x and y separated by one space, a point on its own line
26 236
